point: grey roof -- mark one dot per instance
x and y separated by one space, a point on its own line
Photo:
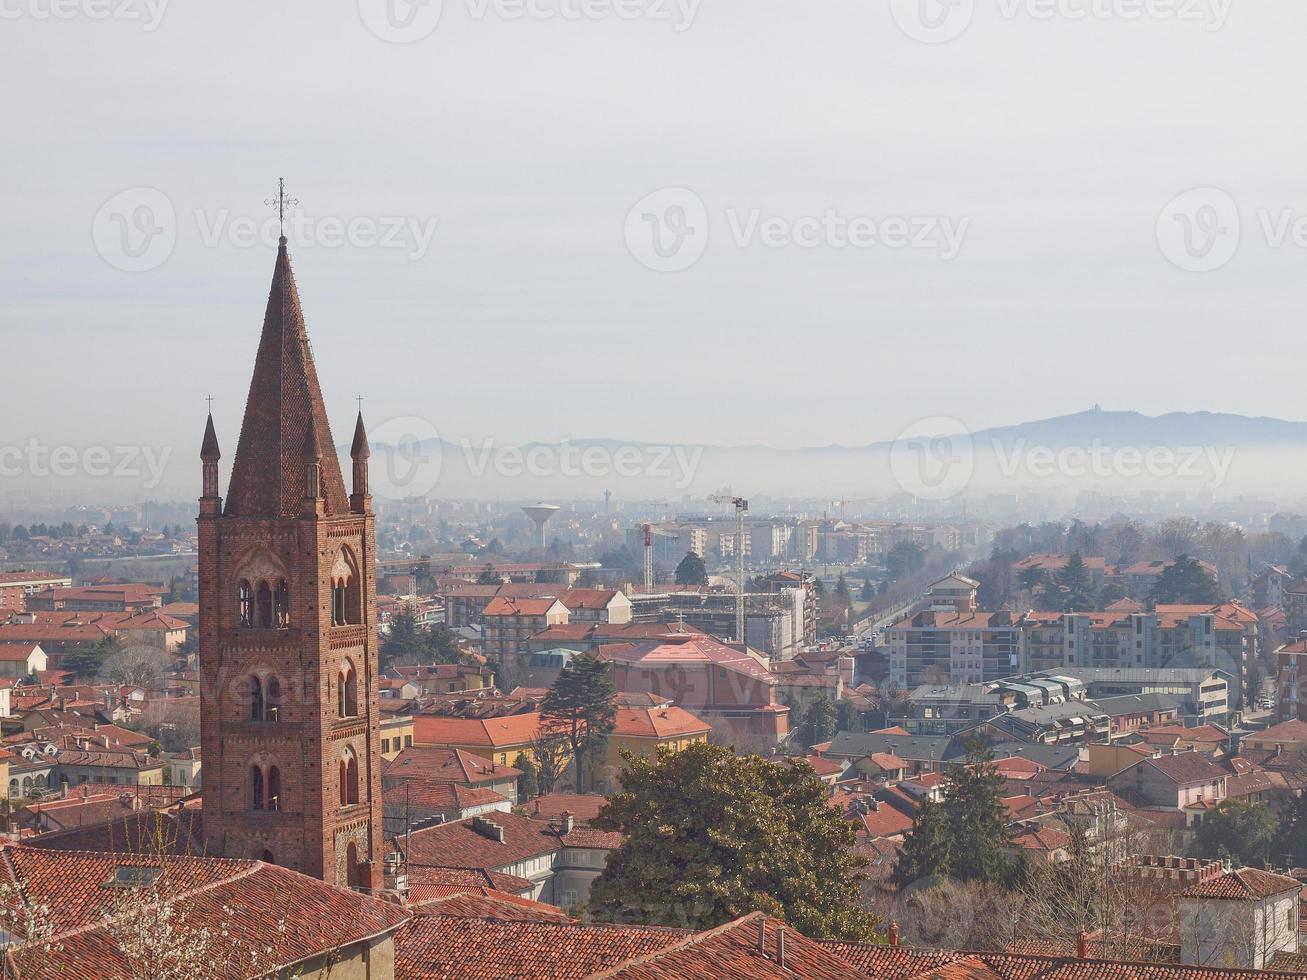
912 748
969 693
1052 756
1136 675
1126 703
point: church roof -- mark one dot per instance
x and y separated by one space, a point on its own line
283 414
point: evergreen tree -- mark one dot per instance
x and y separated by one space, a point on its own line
489 576
847 717
712 835
1185 583
87 660
403 642
818 723
582 707
1077 586
1239 831
973 801
691 570
927 848
1290 843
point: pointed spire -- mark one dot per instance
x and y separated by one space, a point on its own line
360 450
209 452
283 413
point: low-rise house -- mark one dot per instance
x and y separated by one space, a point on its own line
441 765
1245 919
1189 782
511 844
396 732
19 660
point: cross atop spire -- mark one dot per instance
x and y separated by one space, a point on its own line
280 202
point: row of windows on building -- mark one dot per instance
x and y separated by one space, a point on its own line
265 783
267 606
264 694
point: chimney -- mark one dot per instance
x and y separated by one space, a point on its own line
1082 945
762 935
893 933
780 947
568 821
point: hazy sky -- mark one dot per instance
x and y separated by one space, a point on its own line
1030 159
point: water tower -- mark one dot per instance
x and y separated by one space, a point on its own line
540 513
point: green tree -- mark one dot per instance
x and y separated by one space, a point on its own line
973 800
927 848
1078 587
403 642
691 570
527 785
1185 583
847 717
489 576
818 723
1239 831
87 660
904 560
712 835
1290 844
582 707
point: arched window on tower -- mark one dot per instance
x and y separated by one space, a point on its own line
274 788
258 699
264 606
245 604
256 788
347 691
281 605
272 698
349 777
346 590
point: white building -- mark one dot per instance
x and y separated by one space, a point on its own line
1242 920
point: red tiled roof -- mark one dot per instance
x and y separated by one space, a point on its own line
490 733
434 947
486 903
445 765
248 897
1242 884
664 722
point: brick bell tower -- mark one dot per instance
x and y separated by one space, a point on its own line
288 628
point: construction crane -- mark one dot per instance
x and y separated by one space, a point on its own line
648 559
741 506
